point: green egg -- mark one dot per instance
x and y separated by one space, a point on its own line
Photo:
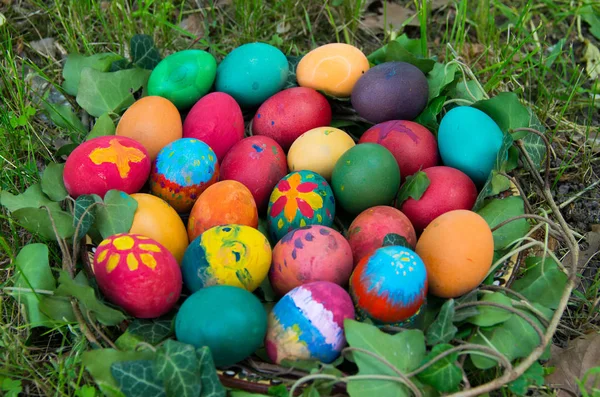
229 320
365 176
252 73
183 77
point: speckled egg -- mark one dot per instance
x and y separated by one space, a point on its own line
318 150
232 334
308 323
234 255
225 202
469 140
182 171
138 274
153 121
104 163
290 113
332 68
370 228
183 77
252 72
216 119
258 163
301 198
155 218
310 253
389 286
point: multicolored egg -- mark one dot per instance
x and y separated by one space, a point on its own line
258 162
310 253
301 198
225 202
389 286
105 163
318 150
308 323
138 274
234 255
182 171
217 120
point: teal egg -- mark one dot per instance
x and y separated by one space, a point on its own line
469 140
252 73
229 320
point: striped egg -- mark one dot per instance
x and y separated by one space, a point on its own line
308 323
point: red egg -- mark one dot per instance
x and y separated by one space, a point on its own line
412 145
370 227
104 163
449 189
290 113
258 162
138 274
216 119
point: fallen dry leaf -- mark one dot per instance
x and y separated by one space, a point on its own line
592 58
395 17
44 47
193 24
437 4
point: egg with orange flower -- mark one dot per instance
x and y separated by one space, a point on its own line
138 274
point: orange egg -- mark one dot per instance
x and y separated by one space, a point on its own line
156 219
457 249
153 121
333 68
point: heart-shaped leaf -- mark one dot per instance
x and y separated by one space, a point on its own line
75 63
414 186
489 315
84 214
442 330
439 78
497 211
52 182
444 375
143 52
135 379
177 366
211 386
104 126
543 282
115 215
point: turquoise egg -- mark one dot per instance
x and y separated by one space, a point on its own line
469 140
252 73
300 198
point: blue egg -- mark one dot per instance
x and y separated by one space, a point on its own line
469 140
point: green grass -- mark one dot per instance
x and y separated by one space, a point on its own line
509 46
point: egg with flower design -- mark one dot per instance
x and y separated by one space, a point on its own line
300 199
138 274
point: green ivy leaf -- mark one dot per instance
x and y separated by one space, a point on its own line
414 186
104 126
63 117
120 64
57 308
445 376
463 314
404 350
102 92
493 185
527 337
428 117
513 158
154 330
32 197
394 52
395 239
442 330
37 221
52 182
210 384
488 315
439 78
115 215
497 211
499 183
497 338
78 288
543 282
278 391
135 379
176 365
75 63
507 111
84 214
143 52
411 45
469 91
534 376
533 143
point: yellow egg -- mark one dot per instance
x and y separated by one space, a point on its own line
318 150
156 219
333 68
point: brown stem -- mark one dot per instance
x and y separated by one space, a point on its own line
531 216
77 228
536 175
528 207
67 260
548 151
83 325
102 334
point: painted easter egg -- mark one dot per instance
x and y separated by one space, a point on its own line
217 120
469 140
301 198
252 72
235 255
104 163
182 171
412 145
377 226
183 77
318 150
290 113
389 286
155 218
310 253
153 121
308 323
332 68
257 162
229 320
225 202
138 274
365 176
449 189
391 91
458 249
